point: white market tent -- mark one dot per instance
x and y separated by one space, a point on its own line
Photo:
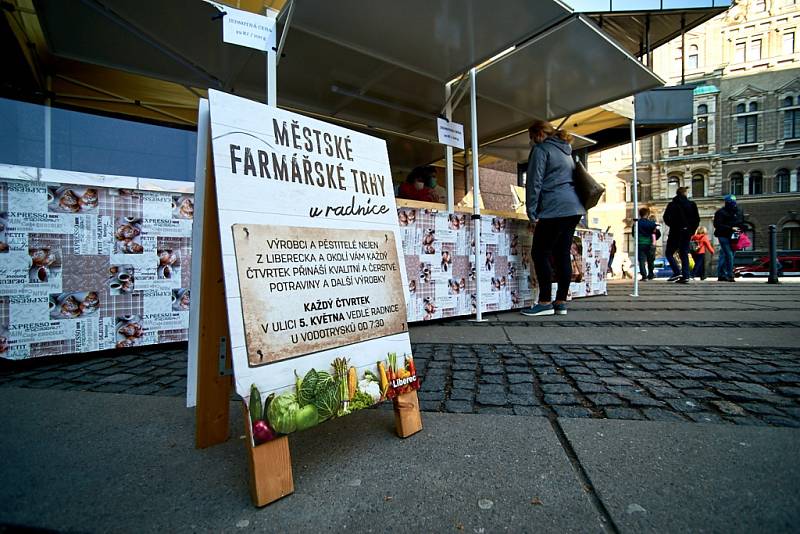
383 66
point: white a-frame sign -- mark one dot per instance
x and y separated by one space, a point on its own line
302 283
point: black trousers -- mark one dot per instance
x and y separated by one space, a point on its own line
678 241
553 237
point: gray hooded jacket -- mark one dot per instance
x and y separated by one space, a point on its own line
550 191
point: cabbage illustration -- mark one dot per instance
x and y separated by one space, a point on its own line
282 412
307 387
327 397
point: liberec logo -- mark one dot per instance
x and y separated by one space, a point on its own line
400 382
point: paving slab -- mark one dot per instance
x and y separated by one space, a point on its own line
659 315
95 462
674 477
443 333
731 337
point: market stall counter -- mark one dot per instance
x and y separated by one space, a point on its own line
69 265
439 250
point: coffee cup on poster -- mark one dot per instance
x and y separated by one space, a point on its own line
114 285
174 298
51 303
50 196
123 276
40 274
130 219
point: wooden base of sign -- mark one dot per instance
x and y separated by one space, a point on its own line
213 388
407 419
270 468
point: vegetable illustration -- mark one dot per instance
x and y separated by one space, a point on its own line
352 382
282 412
306 417
340 368
370 386
410 364
326 396
306 387
262 432
362 400
384 380
256 408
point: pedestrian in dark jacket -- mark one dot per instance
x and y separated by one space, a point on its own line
683 219
645 243
727 220
554 206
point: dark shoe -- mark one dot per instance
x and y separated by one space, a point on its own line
722 279
674 278
730 279
682 281
643 279
702 278
539 309
650 277
560 309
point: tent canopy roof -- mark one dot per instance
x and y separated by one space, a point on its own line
380 66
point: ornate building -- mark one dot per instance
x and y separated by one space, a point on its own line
745 139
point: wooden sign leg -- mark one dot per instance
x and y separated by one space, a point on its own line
407 419
270 468
213 388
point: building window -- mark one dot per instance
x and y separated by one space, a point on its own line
737 183
702 130
672 186
746 129
791 236
755 49
782 181
698 185
739 55
788 43
746 126
791 120
760 6
693 60
756 183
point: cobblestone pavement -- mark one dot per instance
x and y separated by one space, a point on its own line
710 385
160 371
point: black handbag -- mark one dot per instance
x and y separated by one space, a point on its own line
589 190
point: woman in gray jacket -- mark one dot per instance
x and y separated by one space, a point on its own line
553 206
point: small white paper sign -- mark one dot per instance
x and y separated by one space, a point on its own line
451 133
248 29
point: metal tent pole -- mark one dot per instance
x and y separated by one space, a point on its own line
635 189
48 126
476 190
448 151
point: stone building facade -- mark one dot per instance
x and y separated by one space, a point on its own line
745 139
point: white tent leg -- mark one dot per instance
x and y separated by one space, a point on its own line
448 151
476 191
635 190
272 69
48 128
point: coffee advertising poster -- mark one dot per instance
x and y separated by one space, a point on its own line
83 270
313 264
